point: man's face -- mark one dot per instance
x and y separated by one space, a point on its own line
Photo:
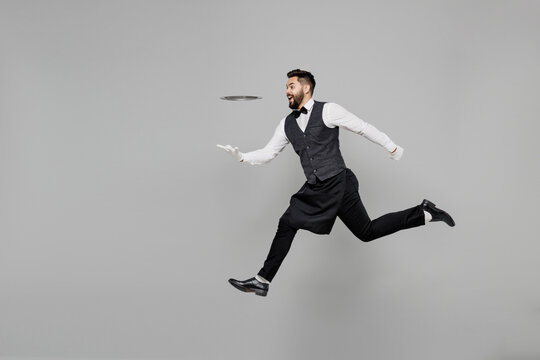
295 92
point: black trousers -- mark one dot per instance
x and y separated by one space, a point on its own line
354 216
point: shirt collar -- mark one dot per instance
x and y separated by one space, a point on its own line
309 104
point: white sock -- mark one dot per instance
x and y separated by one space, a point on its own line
261 279
427 216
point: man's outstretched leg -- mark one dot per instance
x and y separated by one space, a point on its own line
279 249
355 217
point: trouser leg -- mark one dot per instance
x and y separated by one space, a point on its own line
354 215
279 248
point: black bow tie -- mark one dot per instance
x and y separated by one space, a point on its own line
296 113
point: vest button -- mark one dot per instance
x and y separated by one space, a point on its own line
315 170
310 158
308 147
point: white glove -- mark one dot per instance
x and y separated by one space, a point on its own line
397 154
233 151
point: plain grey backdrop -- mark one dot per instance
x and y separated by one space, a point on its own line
121 221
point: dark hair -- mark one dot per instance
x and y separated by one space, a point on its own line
303 77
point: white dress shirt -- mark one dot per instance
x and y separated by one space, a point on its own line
333 115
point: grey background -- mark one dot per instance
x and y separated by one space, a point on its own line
120 221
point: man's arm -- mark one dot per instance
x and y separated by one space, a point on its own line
262 156
335 115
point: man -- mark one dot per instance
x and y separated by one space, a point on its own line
331 189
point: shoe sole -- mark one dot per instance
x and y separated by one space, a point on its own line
241 288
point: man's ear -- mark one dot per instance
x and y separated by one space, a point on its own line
306 88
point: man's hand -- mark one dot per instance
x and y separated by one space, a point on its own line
397 153
232 150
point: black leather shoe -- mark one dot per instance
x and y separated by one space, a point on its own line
250 285
437 214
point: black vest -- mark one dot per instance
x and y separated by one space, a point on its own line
317 146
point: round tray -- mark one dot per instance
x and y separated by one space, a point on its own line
240 97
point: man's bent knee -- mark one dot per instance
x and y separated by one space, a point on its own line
365 235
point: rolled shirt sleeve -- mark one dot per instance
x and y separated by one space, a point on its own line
335 115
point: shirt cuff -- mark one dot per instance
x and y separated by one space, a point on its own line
390 147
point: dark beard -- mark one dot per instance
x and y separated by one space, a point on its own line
296 101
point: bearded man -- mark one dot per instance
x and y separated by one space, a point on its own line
331 189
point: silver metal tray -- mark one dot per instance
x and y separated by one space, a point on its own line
240 97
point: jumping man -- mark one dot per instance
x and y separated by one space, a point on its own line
331 189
